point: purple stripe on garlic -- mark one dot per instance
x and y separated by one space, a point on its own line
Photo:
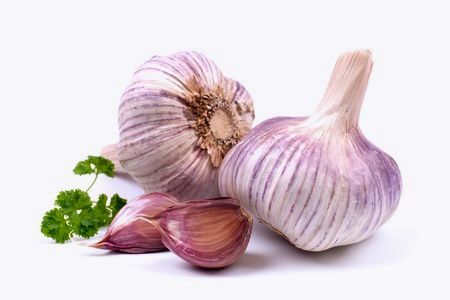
177 120
317 180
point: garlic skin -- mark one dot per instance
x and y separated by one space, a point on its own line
129 231
177 119
210 233
317 180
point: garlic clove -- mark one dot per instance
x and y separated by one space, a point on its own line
317 180
129 232
177 120
210 233
135 237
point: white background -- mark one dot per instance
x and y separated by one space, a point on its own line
63 67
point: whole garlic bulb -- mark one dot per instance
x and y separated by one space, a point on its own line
177 120
317 180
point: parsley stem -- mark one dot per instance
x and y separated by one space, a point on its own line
95 179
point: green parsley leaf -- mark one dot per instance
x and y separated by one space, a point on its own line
73 200
54 225
84 223
75 212
116 204
101 213
95 165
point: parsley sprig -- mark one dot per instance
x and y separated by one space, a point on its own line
75 212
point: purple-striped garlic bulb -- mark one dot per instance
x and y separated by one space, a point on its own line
317 180
177 120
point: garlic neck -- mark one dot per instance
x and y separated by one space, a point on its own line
341 103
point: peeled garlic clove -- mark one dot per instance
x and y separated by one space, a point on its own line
177 119
130 232
317 180
207 233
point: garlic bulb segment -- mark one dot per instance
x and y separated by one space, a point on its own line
207 233
129 231
317 180
177 119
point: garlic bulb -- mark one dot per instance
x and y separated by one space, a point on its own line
317 180
177 120
129 233
211 233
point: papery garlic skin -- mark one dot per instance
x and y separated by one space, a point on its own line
129 231
317 180
177 120
211 233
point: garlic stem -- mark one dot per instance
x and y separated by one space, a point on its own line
341 103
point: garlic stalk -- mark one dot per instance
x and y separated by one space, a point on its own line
317 180
129 233
211 233
177 119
